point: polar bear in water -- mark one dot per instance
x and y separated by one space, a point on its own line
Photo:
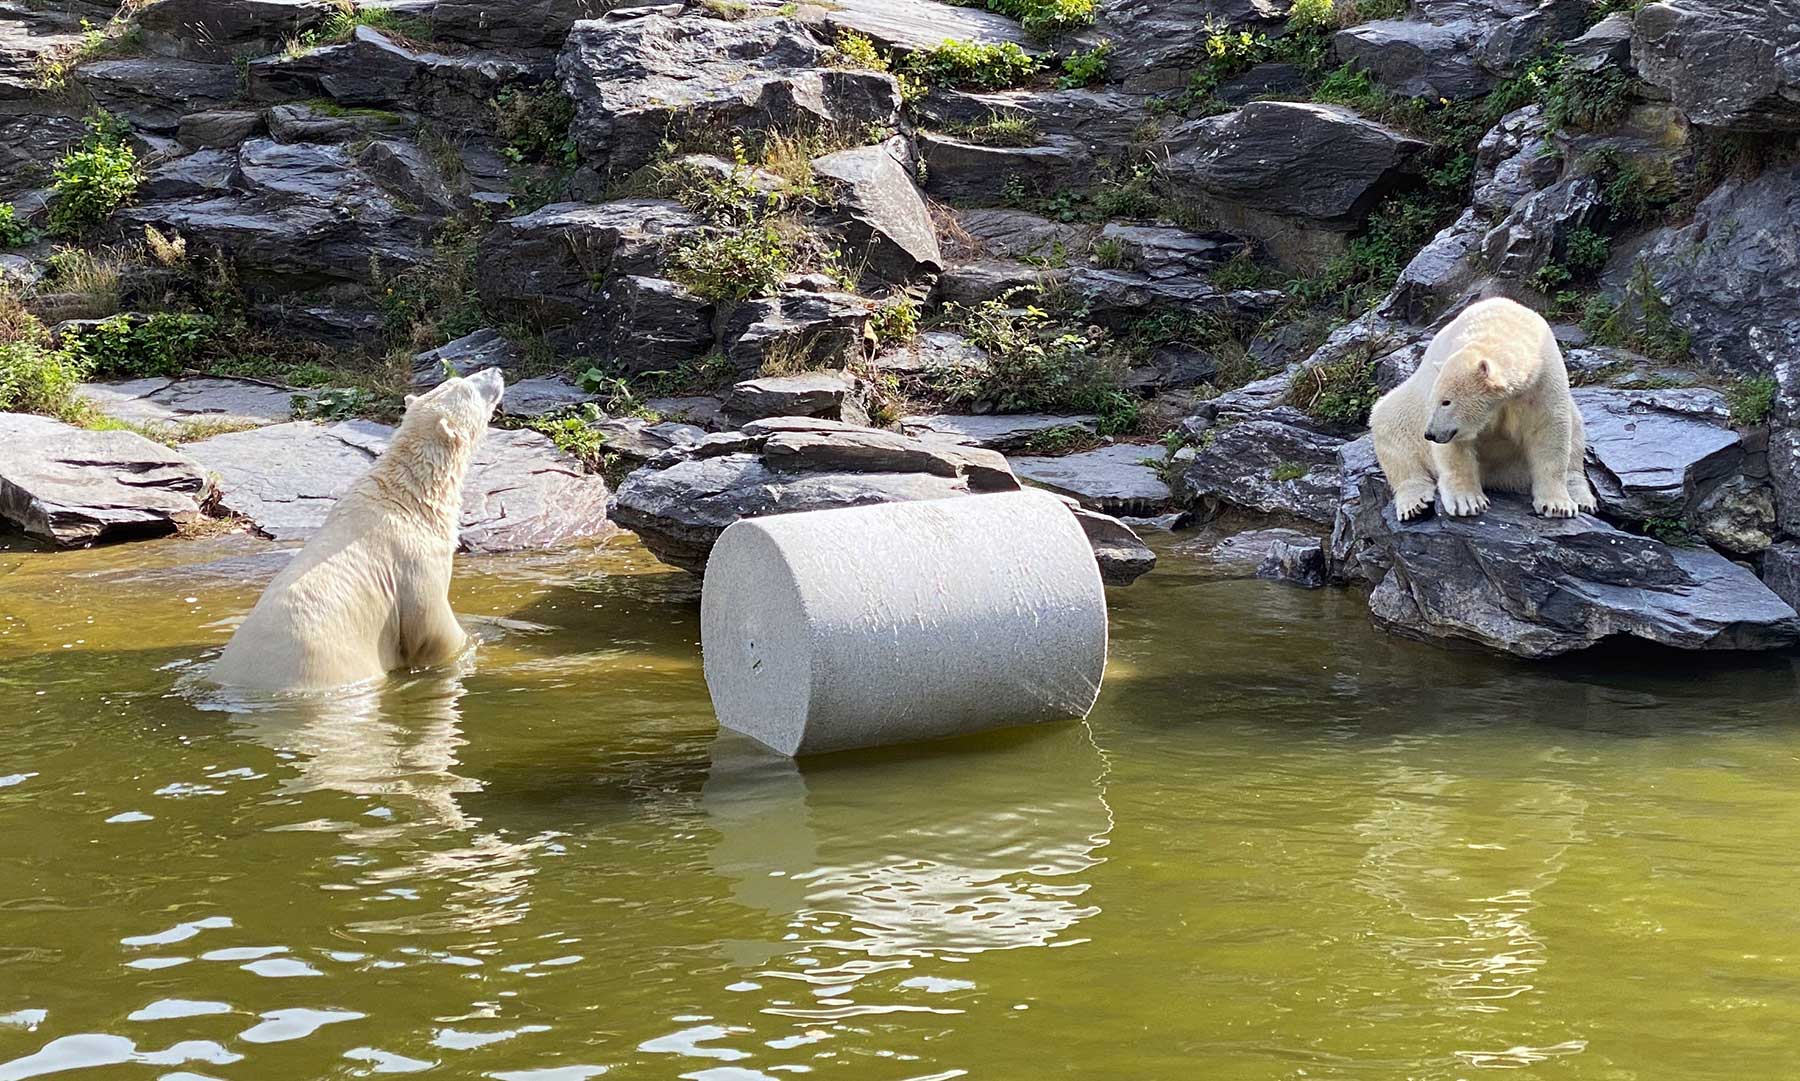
370 592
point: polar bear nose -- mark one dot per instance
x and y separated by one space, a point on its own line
490 383
1435 436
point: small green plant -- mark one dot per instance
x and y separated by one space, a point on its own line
1035 364
1355 280
1287 471
896 320
333 403
1550 278
1751 399
1132 195
1316 15
1671 531
854 50
1587 250
1047 19
1587 100
1340 392
729 10
34 376
165 343
14 233
534 125
1085 68
732 265
1242 271
968 64
1642 320
1108 252
1008 129
577 437
93 180
1062 439
1629 193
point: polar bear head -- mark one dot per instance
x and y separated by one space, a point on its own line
441 429
1471 387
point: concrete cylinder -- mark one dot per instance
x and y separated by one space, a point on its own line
828 630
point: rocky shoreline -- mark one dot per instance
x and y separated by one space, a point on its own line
740 259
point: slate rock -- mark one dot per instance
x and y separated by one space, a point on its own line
542 397
154 93
1156 44
1002 232
882 215
638 82
834 395
1539 587
1299 562
1737 516
1240 553
978 280
484 348
1416 59
637 439
797 329
510 24
921 25
1656 453
996 431
521 492
1273 462
1121 553
1117 297
73 487
218 128
1113 480
1164 252
222 30
1728 64
1781 571
372 70
960 170
161 401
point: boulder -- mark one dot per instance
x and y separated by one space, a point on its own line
880 212
588 276
996 431
1656 453
640 82
1165 252
1156 44
1231 553
218 128
931 351
484 348
1440 273
372 70
1322 163
1123 556
918 25
300 122
834 395
30 143
1536 231
1539 587
1298 562
978 280
796 330
681 501
1416 59
199 175
1727 63
1113 480
1514 159
638 439
511 24
1507 47
1730 275
963 171
542 397
1173 365
1018 234
1119 297
1737 516
173 402
1274 462
154 93
521 492
73 487
222 30
1106 124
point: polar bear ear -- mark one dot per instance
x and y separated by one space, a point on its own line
411 398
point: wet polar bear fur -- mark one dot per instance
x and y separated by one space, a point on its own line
370 592
1487 410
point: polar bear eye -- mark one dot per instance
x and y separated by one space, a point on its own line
1446 401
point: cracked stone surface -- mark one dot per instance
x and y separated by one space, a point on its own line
177 401
72 487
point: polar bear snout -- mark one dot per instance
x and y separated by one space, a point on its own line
490 383
1434 435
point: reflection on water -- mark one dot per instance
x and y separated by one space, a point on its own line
1285 846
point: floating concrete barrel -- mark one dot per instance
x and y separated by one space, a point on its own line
834 629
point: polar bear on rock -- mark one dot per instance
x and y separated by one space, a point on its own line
1488 409
370 592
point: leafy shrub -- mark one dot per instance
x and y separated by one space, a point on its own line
576 437
426 305
1340 392
1132 196
1046 19
1085 69
963 63
1642 321
534 125
1034 364
163 344
1751 399
1354 281
94 180
1588 100
1312 15
732 265
34 377
853 50
14 233
897 320
1587 250
333 403
720 198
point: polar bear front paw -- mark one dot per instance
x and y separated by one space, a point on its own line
1408 507
1554 507
1585 500
1463 504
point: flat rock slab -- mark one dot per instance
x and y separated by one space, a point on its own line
73 487
996 431
1113 480
923 25
542 397
1275 462
1539 587
1654 453
179 401
521 493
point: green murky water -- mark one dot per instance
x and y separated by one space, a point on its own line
1285 847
